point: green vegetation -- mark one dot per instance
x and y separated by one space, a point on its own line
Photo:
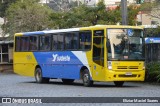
87 16
27 16
4 6
153 72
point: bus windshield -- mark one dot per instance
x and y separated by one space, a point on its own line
125 44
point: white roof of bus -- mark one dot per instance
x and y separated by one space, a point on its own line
76 29
150 26
61 30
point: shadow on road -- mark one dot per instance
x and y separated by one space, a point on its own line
96 84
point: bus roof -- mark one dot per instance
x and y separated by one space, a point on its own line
78 29
150 26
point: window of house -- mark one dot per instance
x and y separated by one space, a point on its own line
4 53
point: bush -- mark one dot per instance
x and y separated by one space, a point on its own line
153 72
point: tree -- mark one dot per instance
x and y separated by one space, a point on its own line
114 16
27 16
155 12
3 7
86 16
132 14
81 16
62 5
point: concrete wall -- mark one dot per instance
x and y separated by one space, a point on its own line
6 67
10 54
144 18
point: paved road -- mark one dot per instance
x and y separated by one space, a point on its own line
12 85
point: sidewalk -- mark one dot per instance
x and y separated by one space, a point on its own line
6 68
7 71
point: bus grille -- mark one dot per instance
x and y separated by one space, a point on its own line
127 67
122 75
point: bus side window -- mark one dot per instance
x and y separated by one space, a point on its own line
33 43
54 42
71 41
18 44
60 42
24 43
45 42
75 41
68 38
85 40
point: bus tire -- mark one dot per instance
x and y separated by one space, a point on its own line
86 78
39 77
118 83
68 81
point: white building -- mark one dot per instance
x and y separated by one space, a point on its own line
107 2
44 1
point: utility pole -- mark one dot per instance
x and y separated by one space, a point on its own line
124 12
78 3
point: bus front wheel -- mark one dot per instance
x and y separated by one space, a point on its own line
118 83
39 78
86 78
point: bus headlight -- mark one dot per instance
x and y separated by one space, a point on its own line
109 65
144 65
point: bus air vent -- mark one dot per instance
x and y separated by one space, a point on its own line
123 75
133 67
121 67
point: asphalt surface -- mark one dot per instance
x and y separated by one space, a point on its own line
12 85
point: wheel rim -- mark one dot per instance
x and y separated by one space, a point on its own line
85 78
38 75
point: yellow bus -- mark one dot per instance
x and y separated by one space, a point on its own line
94 53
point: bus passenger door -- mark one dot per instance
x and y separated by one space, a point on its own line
98 55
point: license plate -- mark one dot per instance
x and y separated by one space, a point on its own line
128 73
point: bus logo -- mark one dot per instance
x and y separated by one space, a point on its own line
6 100
56 57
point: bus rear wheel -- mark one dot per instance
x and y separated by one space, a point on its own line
118 83
86 78
68 81
39 78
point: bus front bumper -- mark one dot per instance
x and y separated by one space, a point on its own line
112 75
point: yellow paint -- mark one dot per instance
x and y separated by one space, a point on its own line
19 34
121 68
24 63
110 76
101 73
96 27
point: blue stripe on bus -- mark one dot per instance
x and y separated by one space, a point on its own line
152 40
33 33
59 64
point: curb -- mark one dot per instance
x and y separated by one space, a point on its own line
6 71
